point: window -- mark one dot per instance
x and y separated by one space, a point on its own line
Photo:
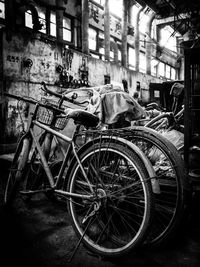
168 38
142 64
154 64
112 48
116 7
28 19
173 73
106 79
119 54
156 94
131 58
101 44
92 39
53 24
143 22
67 29
42 19
168 72
2 9
161 69
111 55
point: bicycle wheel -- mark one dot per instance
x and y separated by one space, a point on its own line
172 202
17 171
117 217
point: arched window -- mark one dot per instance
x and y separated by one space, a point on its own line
2 9
168 38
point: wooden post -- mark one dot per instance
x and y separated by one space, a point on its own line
59 20
149 45
85 27
124 33
107 30
137 39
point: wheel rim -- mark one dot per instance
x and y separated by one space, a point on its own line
167 202
118 221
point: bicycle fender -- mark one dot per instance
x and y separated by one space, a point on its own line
141 155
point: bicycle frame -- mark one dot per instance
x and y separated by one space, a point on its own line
71 148
105 175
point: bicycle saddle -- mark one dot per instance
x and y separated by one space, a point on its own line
83 117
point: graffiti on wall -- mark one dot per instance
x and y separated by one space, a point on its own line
17 116
12 58
66 78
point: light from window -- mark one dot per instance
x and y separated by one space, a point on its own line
134 11
119 55
101 40
131 57
102 51
168 38
2 9
67 32
53 24
142 64
168 72
92 39
94 55
143 22
116 7
111 55
154 63
42 19
173 73
161 69
28 19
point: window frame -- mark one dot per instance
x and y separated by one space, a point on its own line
71 18
3 4
131 66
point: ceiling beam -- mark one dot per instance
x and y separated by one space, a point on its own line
172 19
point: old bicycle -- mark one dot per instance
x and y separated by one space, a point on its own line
107 182
173 199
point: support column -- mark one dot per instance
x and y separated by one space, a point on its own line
59 19
149 45
124 32
137 39
77 25
85 26
116 50
107 30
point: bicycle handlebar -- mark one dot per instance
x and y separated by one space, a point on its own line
26 99
63 96
34 101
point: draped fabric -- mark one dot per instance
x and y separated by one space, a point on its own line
111 104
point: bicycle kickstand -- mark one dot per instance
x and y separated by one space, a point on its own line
79 241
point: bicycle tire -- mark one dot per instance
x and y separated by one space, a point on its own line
170 205
17 171
122 221
167 153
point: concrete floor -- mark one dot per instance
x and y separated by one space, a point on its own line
40 234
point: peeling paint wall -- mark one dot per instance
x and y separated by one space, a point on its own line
28 62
